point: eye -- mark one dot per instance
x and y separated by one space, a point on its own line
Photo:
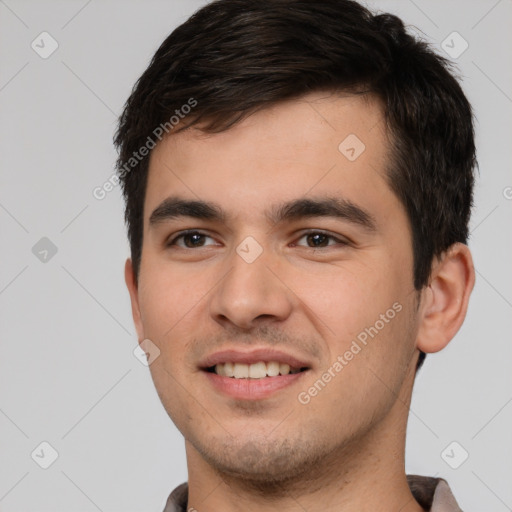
189 240
320 239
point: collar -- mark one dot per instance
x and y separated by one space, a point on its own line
433 494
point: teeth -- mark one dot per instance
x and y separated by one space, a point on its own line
229 370
257 370
272 369
241 371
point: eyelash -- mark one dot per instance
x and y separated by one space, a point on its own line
311 232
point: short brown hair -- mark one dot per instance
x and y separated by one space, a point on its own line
234 57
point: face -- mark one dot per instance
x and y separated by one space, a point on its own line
275 246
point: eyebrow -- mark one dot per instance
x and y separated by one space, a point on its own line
175 207
340 208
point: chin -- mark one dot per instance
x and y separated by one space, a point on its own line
262 463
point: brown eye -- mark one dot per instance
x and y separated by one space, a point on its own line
319 239
189 240
193 240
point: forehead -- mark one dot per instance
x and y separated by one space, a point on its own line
321 142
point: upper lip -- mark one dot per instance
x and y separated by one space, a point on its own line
252 356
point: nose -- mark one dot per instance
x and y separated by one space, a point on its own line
250 293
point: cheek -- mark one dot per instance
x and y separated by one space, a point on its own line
165 300
168 303
368 361
347 297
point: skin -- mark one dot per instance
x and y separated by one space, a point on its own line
278 453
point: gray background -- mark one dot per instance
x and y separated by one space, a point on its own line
68 375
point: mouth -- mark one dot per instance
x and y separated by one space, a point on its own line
259 370
255 375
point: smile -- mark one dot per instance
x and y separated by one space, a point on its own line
259 370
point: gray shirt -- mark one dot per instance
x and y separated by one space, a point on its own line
433 494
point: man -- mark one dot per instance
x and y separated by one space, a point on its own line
298 182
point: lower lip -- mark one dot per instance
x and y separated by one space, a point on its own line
252 389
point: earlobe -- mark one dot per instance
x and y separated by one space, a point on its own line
444 302
131 284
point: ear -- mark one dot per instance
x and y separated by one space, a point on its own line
444 302
131 284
